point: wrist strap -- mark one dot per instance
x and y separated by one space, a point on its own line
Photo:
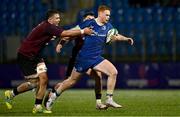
82 31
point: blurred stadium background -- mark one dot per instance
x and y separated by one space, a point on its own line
152 63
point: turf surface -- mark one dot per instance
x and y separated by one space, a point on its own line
82 103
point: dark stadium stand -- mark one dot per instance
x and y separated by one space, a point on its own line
155 27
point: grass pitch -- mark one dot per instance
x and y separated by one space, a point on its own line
82 103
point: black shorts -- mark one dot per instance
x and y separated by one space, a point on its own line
28 65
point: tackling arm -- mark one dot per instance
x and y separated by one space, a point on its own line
66 38
76 32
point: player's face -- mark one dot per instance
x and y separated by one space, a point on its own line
105 16
55 19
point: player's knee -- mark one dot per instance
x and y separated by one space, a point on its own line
72 81
32 83
114 73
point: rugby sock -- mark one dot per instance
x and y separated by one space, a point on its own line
109 94
98 96
38 101
15 92
54 95
56 92
53 90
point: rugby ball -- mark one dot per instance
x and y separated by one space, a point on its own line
111 32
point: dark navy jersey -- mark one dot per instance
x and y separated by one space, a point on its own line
38 37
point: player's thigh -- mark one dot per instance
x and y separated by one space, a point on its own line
106 67
33 82
28 67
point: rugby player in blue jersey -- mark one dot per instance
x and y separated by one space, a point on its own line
92 73
90 57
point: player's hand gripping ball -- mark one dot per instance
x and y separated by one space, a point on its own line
109 34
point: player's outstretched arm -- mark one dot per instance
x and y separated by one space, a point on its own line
76 32
119 37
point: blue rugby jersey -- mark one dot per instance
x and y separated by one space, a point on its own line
94 44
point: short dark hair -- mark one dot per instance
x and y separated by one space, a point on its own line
51 12
88 13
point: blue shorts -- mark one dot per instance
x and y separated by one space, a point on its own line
82 65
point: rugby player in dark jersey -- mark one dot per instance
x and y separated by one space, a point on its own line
96 75
31 62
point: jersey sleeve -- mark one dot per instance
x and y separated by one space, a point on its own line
85 24
55 30
110 26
